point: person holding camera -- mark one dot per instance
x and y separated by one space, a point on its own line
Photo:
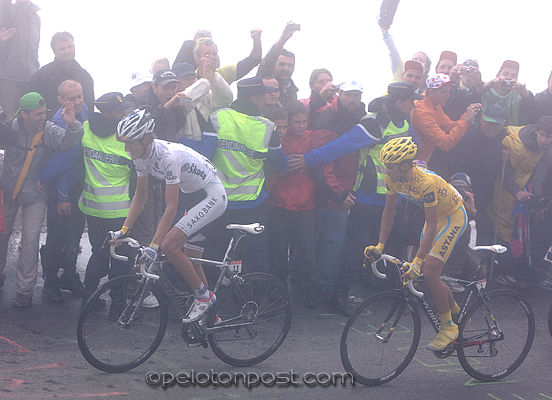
323 92
434 128
510 94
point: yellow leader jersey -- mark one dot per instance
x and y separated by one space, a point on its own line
427 189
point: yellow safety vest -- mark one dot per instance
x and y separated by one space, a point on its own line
374 153
242 147
107 178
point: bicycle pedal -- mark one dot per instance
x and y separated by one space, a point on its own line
446 352
194 345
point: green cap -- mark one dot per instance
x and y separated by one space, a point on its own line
31 101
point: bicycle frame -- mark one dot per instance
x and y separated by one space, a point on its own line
413 297
155 274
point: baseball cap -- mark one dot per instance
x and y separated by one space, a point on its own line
31 101
437 81
402 91
113 101
494 113
415 65
182 69
140 77
349 86
253 87
163 77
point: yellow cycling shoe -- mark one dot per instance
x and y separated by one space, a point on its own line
445 337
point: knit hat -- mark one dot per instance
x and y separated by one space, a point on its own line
438 81
31 101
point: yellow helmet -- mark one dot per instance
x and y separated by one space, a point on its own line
397 150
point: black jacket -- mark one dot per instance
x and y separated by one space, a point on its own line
47 79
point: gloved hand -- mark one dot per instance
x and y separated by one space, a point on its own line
150 253
412 270
119 234
374 251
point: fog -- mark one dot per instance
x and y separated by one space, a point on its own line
115 38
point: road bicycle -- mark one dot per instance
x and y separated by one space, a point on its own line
246 325
496 328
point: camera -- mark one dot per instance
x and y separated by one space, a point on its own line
296 27
508 84
336 88
185 101
468 70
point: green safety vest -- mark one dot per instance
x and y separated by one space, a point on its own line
242 147
374 153
107 178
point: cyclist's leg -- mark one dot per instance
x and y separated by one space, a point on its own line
206 211
449 231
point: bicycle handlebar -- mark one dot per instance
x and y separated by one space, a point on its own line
134 244
394 260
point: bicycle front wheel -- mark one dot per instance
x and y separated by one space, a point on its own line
499 332
108 338
380 338
256 316
550 320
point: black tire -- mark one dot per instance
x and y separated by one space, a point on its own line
114 346
499 358
550 320
262 309
370 360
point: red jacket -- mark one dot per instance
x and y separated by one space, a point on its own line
293 191
339 175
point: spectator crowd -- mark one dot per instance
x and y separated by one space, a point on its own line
307 169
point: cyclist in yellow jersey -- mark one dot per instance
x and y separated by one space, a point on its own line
446 220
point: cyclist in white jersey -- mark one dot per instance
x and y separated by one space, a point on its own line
182 169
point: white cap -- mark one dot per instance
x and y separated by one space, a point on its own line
350 86
140 77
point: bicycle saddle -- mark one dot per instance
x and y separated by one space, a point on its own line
496 248
254 228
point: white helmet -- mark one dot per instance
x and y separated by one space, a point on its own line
135 125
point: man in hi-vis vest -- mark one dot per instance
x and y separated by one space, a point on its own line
388 118
246 143
105 198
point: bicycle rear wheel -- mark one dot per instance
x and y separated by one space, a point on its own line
380 338
106 337
505 313
257 315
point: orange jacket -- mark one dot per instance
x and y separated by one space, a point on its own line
435 128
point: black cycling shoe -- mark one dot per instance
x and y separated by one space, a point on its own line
52 292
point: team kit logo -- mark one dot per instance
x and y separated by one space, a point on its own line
194 170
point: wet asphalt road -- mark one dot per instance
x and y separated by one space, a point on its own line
40 359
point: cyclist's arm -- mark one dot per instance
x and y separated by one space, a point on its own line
388 216
138 201
165 224
430 231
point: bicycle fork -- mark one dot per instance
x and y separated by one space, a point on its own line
397 309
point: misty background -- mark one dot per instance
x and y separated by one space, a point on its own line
115 38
